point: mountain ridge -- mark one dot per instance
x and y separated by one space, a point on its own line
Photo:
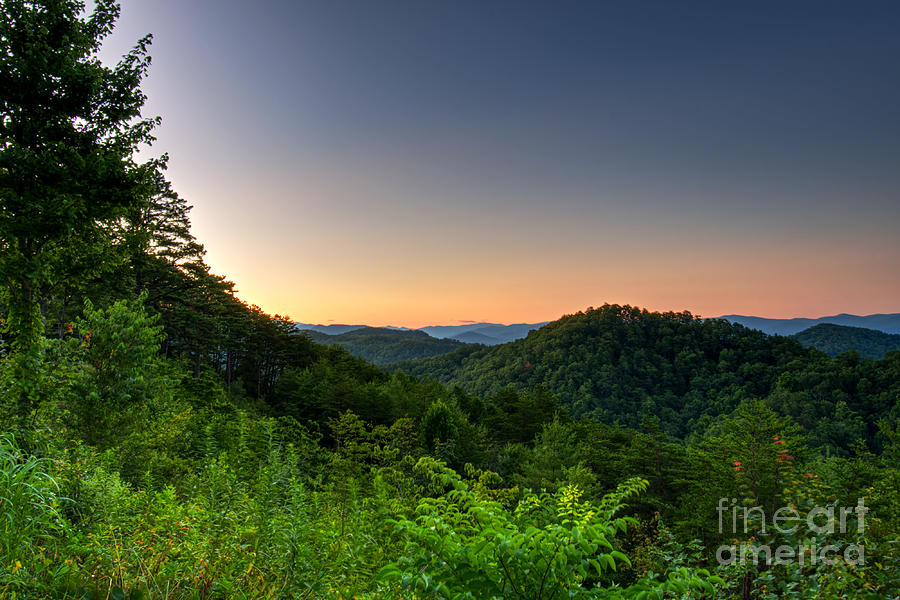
485 333
491 334
884 322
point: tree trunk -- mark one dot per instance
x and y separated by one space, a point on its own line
26 325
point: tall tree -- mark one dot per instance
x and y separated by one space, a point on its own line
69 129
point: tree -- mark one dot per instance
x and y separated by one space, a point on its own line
119 375
446 433
69 129
743 456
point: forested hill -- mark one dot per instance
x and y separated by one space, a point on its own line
383 346
623 364
834 339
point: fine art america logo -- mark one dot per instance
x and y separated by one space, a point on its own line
820 524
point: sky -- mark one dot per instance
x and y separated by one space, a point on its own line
418 163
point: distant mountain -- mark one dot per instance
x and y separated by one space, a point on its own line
328 329
834 339
473 337
887 323
445 331
381 345
488 334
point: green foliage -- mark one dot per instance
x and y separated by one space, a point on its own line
67 173
384 346
117 350
741 456
836 339
596 457
447 434
439 426
29 517
620 363
518 416
465 545
115 391
839 401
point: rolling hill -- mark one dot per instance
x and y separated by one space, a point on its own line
835 339
490 334
335 329
620 363
382 346
473 337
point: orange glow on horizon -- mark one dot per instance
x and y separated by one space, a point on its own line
348 250
333 183
346 302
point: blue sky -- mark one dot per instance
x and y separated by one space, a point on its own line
424 162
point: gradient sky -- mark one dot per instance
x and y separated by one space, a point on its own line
414 163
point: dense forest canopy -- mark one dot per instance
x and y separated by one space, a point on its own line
162 438
624 364
836 339
383 346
